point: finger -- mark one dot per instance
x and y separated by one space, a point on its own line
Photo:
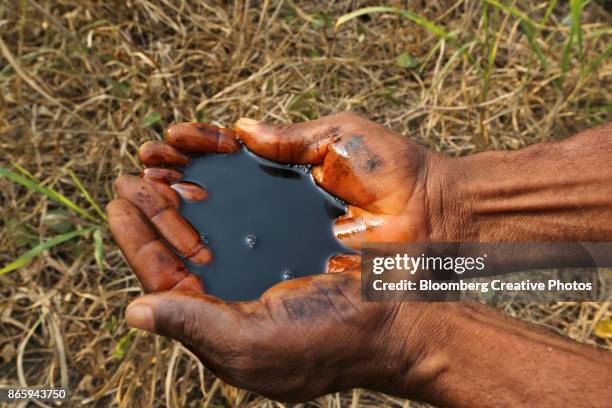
161 174
358 226
155 265
343 263
346 160
303 143
190 191
202 138
190 283
168 222
157 153
187 317
169 194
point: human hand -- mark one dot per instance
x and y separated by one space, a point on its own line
303 338
381 175
384 177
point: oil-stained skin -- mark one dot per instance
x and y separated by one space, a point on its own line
353 164
190 191
190 138
367 165
302 322
199 138
165 175
157 153
355 147
378 172
164 216
170 195
343 263
155 265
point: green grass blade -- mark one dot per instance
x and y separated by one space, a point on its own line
124 344
430 55
551 7
24 171
99 249
54 195
529 27
576 13
566 56
151 119
592 67
423 22
576 31
529 33
87 196
492 44
27 256
515 12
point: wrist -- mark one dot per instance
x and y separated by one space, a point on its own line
447 198
411 348
455 354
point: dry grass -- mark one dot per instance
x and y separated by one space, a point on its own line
78 79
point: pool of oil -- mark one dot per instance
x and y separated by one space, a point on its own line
264 222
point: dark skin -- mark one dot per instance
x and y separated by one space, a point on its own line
312 336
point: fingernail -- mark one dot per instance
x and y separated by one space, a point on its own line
246 123
190 191
140 316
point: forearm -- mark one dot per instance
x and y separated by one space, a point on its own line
555 191
482 358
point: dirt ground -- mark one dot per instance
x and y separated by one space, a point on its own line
84 83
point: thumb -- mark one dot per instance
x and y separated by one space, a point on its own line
179 315
300 143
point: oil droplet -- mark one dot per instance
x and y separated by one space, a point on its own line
204 238
251 240
287 274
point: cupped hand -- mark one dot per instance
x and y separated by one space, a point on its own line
303 338
383 176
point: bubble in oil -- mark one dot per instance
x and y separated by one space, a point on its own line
304 168
251 240
287 275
